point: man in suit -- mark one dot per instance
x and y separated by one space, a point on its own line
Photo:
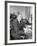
16 32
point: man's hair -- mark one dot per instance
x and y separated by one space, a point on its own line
18 13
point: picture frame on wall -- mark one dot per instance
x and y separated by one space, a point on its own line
20 22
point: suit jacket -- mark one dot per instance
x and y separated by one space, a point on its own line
15 32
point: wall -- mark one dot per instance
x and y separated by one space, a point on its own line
25 11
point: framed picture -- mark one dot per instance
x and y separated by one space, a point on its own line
20 22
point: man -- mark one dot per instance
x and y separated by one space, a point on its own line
16 32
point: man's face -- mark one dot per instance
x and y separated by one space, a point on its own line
19 17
